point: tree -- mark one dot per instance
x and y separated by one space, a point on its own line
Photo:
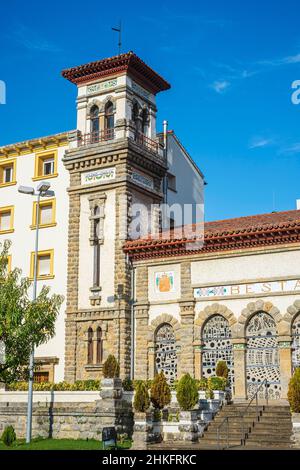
160 392
294 391
222 369
111 368
141 401
187 392
23 323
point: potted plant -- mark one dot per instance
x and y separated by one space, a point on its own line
187 397
111 384
142 418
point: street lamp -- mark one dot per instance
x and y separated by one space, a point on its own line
41 191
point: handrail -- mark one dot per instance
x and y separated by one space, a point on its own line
242 415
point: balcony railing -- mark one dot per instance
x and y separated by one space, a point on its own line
95 137
145 141
109 134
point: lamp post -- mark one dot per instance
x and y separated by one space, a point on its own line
41 191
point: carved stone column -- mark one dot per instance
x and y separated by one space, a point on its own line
239 359
285 362
186 364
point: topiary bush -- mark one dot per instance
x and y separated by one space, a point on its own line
217 383
222 369
294 391
9 436
127 385
202 384
187 392
160 392
111 368
141 401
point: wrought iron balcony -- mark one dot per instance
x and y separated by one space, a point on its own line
107 135
95 137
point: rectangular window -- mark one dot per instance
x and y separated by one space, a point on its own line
7 172
45 268
45 165
171 182
6 219
47 214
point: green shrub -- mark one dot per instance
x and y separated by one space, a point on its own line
217 383
127 385
187 392
79 385
209 394
111 368
222 369
141 401
160 392
294 391
8 436
202 384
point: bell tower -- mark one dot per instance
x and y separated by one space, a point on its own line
115 160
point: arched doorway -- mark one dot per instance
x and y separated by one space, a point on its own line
296 342
165 352
216 338
262 360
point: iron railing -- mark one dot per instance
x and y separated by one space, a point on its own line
145 141
95 137
241 415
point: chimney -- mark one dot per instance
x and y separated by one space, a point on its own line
298 204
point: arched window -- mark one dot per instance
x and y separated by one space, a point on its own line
90 346
296 342
262 361
109 116
145 121
216 337
94 113
99 346
165 352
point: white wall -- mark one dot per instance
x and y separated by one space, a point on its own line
189 183
23 240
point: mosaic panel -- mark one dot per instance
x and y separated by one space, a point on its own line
165 352
296 342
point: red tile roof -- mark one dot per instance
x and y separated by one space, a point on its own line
128 62
229 234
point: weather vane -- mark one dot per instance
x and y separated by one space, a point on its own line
119 30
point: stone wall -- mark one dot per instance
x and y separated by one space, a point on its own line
64 420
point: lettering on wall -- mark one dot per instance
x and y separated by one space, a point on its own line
95 88
142 179
236 290
98 176
164 281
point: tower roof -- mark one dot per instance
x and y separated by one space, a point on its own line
128 62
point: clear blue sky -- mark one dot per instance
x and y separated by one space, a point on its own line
230 63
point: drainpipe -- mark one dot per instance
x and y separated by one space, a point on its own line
132 320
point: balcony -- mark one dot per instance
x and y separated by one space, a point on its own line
108 135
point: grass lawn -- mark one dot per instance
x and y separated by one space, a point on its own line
60 444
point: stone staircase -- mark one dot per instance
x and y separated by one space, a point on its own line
273 429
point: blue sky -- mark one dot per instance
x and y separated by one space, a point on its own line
230 63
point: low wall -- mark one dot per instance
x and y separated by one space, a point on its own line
56 397
77 418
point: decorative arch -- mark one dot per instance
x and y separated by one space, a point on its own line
208 312
164 318
262 360
108 98
251 309
291 314
91 104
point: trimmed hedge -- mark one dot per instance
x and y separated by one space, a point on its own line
187 393
294 391
78 385
217 383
